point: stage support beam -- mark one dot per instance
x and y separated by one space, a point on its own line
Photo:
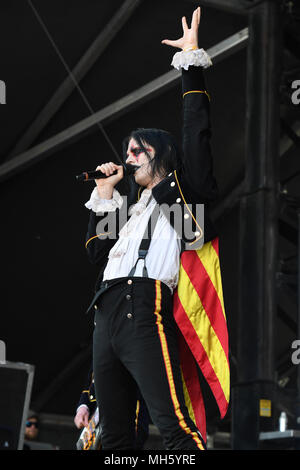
154 88
258 251
297 401
228 202
231 6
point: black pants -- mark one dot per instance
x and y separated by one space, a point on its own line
135 345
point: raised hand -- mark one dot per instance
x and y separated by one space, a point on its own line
189 40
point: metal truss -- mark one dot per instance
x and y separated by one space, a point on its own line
154 88
74 77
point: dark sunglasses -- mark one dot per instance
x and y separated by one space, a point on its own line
31 423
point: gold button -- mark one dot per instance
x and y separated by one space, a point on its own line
186 216
129 315
197 234
170 174
129 281
91 397
172 184
178 199
95 307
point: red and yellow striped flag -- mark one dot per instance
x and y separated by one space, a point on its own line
200 315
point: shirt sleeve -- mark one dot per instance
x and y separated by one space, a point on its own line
197 57
99 205
82 406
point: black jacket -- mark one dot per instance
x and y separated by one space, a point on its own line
191 187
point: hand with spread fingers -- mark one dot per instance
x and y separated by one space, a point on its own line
189 40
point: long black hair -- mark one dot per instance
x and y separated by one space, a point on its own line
167 156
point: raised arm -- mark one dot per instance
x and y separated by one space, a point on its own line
197 157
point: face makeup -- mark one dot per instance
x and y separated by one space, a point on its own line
137 151
140 155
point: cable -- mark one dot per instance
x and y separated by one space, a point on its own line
69 71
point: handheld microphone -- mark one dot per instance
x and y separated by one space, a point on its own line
94 175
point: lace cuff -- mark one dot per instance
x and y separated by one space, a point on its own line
197 57
97 204
81 406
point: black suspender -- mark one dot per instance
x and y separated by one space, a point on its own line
142 253
146 240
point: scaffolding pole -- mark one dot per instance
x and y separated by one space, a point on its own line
258 231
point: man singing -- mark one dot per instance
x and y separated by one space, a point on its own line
136 335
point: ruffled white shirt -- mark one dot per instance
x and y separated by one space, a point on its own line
163 258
